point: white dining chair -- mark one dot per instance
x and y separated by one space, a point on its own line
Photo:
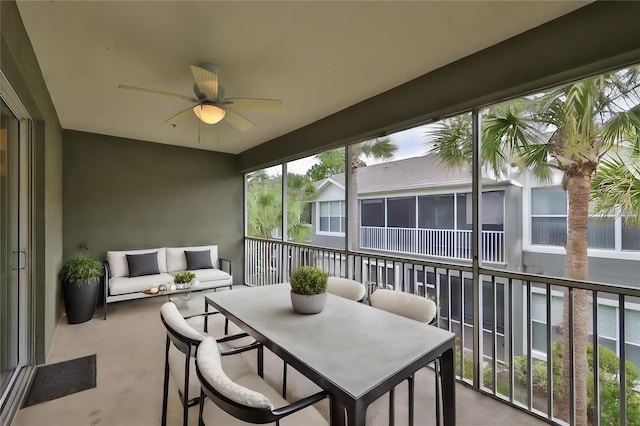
344 287
181 345
417 308
248 398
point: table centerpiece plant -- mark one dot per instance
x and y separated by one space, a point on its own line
308 289
184 279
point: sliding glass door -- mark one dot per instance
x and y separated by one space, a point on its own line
17 360
10 255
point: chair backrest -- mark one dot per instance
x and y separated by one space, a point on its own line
182 335
406 304
237 400
344 287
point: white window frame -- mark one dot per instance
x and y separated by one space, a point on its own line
318 216
616 253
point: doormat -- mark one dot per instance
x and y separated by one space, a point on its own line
61 379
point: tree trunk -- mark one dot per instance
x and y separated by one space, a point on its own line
576 268
354 222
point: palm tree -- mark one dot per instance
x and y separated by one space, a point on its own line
264 205
586 120
264 214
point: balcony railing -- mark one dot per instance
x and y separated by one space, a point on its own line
518 318
447 243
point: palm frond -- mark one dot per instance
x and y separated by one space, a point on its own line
616 185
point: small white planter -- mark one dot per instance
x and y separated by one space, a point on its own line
304 304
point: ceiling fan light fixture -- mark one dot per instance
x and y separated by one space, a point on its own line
209 114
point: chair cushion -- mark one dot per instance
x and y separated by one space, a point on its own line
175 320
210 365
213 415
344 287
406 304
143 264
118 266
200 259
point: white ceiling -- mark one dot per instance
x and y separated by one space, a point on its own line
317 57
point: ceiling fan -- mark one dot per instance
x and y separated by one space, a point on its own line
211 106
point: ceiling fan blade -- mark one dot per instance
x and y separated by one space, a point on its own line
206 82
261 105
158 92
238 121
180 117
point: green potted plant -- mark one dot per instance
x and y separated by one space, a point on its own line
80 286
183 279
308 289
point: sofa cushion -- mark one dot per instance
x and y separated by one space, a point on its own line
206 275
142 264
177 261
200 259
118 261
124 285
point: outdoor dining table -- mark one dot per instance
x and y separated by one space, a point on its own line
354 351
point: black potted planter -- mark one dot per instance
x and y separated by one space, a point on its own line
80 287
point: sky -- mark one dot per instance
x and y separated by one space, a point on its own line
410 143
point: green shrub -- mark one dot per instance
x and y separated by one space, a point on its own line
608 379
79 270
183 277
309 280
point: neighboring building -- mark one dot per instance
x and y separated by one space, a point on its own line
418 208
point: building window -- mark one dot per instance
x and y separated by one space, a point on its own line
630 235
436 212
372 212
401 212
549 224
548 216
332 217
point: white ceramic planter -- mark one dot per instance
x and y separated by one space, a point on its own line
304 304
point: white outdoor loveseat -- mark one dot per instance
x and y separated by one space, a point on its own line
129 272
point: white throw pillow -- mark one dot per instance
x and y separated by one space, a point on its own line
210 365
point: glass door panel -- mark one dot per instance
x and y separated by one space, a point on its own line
9 251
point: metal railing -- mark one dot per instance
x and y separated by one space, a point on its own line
521 325
448 243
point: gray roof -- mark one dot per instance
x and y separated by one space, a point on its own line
416 172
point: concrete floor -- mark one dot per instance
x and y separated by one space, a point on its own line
130 360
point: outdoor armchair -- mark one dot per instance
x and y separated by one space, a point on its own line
181 346
246 399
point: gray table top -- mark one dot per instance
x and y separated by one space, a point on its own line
354 346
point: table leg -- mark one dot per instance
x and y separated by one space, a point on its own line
356 414
206 317
447 371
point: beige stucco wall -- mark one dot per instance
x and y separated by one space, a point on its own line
124 194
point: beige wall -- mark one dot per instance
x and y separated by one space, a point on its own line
126 194
19 65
